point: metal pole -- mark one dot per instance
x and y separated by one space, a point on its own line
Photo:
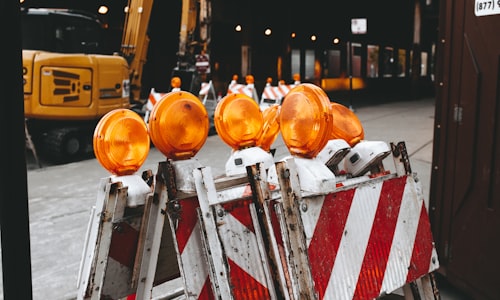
14 217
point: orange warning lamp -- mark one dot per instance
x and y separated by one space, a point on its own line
178 125
121 142
238 121
271 127
346 125
175 82
249 79
296 77
305 120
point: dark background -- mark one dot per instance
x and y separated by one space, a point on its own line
390 22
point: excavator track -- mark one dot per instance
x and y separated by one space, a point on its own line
67 144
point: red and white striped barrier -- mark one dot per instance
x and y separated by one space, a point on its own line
365 240
153 98
248 90
240 266
115 260
234 87
207 96
182 213
205 88
250 236
274 94
188 241
369 240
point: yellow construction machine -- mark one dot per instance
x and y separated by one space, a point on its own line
70 82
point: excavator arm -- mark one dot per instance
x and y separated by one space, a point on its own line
194 38
188 25
135 41
194 31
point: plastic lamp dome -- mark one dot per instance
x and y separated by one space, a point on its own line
175 82
238 121
346 125
121 142
305 120
178 125
271 127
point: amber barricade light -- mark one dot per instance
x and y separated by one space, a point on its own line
271 127
175 82
121 142
305 120
249 79
178 125
238 121
346 125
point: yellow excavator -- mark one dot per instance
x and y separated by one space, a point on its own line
70 82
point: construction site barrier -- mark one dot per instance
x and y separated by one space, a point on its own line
248 89
272 95
328 221
260 235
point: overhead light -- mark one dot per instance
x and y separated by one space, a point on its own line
103 9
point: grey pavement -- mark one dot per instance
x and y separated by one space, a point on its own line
61 196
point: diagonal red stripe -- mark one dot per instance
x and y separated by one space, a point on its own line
123 245
240 210
422 250
380 241
327 235
187 220
244 286
152 99
206 292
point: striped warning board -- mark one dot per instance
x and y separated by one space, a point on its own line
194 269
247 89
249 237
232 233
234 86
274 94
365 240
208 97
153 98
205 89
182 211
101 244
124 243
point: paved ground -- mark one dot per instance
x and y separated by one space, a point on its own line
61 196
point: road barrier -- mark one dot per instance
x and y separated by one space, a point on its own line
300 227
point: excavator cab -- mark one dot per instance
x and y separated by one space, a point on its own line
62 31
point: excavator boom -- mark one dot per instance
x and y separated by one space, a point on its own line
135 41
